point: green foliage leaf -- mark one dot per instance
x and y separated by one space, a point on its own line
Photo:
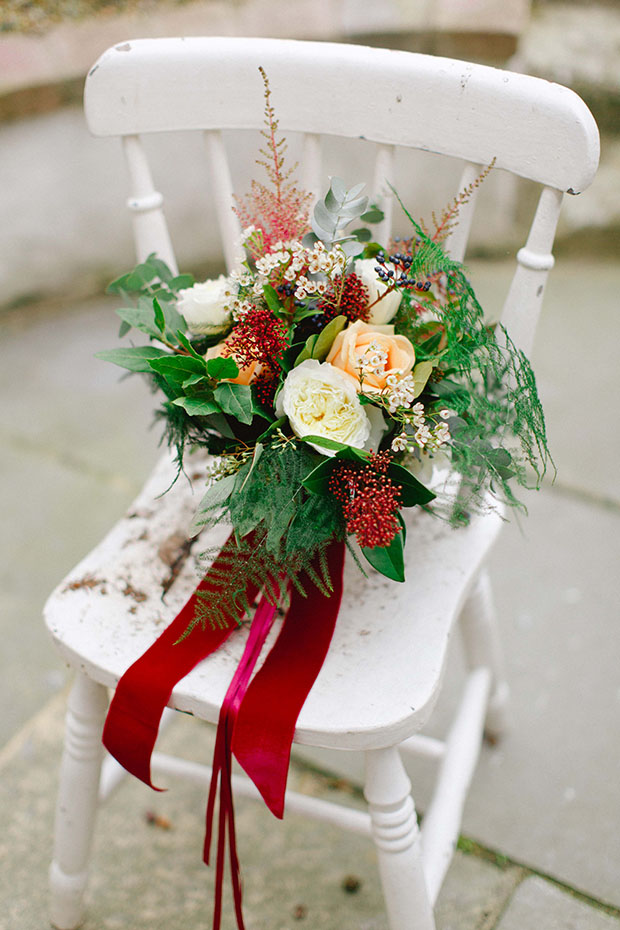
306 352
362 234
389 560
136 358
500 461
272 300
182 281
160 319
197 406
184 341
318 480
138 318
373 215
325 339
177 368
236 400
215 498
342 448
221 367
421 373
412 491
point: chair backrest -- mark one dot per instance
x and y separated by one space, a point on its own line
533 129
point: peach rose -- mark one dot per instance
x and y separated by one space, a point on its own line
246 375
374 352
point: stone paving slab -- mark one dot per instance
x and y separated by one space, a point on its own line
548 794
149 878
75 450
538 903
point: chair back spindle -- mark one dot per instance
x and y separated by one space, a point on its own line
312 179
145 203
534 261
384 176
456 242
223 198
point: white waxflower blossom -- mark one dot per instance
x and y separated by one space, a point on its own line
400 443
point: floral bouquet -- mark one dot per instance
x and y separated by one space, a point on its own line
329 377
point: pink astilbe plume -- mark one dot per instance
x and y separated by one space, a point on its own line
280 211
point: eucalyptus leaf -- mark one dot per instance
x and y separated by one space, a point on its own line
355 190
352 247
338 188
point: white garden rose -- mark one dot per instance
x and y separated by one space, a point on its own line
206 306
320 401
384 310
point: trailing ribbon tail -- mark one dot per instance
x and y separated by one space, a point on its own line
222 764
257 719
266 720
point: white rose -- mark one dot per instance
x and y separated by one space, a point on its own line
384 310
320 401
206 306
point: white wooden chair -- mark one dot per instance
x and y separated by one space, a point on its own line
384 669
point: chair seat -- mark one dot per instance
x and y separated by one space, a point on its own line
110 608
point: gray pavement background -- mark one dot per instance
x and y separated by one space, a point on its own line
546 800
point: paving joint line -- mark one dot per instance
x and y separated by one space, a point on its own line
471 847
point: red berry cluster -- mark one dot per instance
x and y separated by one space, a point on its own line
369 499
353 301
265 385
258 337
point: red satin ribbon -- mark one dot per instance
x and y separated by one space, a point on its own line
257 720
144 690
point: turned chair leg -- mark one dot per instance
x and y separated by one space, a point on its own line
397 839
482 644
77 801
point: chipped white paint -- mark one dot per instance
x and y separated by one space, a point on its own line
384 669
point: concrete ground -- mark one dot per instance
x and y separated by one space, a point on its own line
540 845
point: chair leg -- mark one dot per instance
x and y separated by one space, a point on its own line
397 838
482 644
77 801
